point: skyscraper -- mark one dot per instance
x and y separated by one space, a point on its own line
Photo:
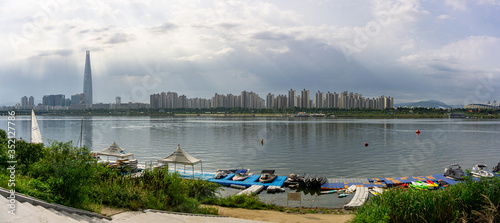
87 81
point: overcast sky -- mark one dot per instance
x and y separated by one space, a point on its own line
410 50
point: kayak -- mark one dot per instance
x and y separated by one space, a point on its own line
343 195
432 185
328 192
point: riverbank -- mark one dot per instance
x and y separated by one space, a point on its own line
282 112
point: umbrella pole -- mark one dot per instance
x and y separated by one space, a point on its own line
193 170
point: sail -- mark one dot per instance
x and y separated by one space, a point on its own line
36 136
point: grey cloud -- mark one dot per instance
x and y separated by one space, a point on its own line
268 35
163 28
228 25
443 67
92 49
57 52
120 38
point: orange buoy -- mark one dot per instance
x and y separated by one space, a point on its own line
262 141
418 131
366 144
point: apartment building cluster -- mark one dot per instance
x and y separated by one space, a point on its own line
345 100
246 99
172 100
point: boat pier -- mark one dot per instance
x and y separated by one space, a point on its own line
362 185
251 180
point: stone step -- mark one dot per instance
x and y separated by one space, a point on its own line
23 214
48 214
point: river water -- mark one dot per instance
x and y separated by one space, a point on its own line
328 146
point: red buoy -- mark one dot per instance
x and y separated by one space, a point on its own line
366 144
418 131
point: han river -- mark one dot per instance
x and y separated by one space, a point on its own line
329 146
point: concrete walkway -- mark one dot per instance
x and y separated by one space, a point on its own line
150 217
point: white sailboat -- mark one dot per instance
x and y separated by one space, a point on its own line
36 136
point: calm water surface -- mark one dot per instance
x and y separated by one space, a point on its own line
332 147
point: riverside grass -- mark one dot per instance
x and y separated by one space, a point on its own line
468 201
61 173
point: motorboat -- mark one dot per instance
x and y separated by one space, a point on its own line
496 169
481 170
454 171
314 181
267 176
306 180
219 174
241 174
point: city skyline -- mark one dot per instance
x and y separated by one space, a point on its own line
247 99
412 50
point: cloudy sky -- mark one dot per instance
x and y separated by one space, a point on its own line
411 50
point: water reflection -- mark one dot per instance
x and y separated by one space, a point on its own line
86 133
332 147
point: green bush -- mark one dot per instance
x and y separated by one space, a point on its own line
27 154
464 201
70 176
251 201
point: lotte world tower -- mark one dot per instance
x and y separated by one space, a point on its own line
87 80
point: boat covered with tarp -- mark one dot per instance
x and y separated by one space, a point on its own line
454 171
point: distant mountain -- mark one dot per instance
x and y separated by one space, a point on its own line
428 104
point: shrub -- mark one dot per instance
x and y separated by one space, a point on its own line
251 201
465 201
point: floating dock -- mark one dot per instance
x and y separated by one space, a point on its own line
359 198
252 189
396 181
344 183
251 180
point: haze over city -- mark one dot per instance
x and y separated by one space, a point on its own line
410 50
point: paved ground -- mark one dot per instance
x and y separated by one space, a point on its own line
150 217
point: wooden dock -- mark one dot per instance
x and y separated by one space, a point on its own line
252 189
359 198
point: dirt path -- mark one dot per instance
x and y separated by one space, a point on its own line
276 216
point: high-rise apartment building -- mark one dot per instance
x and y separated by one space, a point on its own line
24 102
54 100
270 101
77 99
292 95
31 102
87 80
319 100
281 101
306 97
